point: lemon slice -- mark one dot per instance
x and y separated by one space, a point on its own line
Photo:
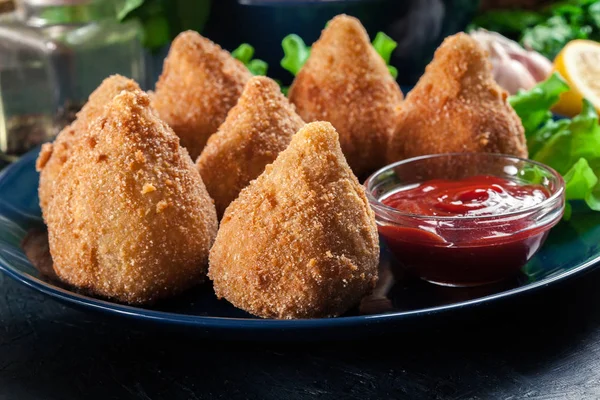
579 63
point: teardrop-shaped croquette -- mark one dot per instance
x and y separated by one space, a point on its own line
346 82
301 240
54 155
199 84
256 130
457 107
130 218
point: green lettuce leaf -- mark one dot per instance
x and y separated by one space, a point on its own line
296 52
580 184
574 151
244 53
537 139
384 46
258 67
570 146
580 138
533 106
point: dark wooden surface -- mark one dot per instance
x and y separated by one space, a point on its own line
545 346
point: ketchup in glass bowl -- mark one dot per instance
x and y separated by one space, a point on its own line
465 219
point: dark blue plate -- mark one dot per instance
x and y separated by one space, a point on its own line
571 248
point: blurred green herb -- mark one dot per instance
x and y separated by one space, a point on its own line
296 52
162 20
244 53
508 22
550 37
79 13
570 146
128 6
548 30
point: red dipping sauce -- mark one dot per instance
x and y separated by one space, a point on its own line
466 232
468 197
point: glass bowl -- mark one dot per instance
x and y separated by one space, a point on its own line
465 250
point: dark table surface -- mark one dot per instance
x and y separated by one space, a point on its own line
544 346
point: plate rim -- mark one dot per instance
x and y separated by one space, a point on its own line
235 323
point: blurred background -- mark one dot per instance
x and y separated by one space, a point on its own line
53 53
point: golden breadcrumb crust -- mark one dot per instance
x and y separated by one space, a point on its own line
301 240
457 107
348 84
53 155
199 84
256 130
130 218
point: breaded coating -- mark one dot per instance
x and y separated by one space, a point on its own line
348 84
53 155
301 240
457 107
256 130
199 84
130 218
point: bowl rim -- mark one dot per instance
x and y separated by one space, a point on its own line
376 204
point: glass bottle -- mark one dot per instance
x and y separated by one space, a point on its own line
53 54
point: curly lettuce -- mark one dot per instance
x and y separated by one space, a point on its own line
570 146
533 106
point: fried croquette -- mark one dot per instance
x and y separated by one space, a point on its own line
457 107
301 240
199 84
256 130
53 155
346 82
130 218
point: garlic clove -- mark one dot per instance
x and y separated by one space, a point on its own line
512 76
